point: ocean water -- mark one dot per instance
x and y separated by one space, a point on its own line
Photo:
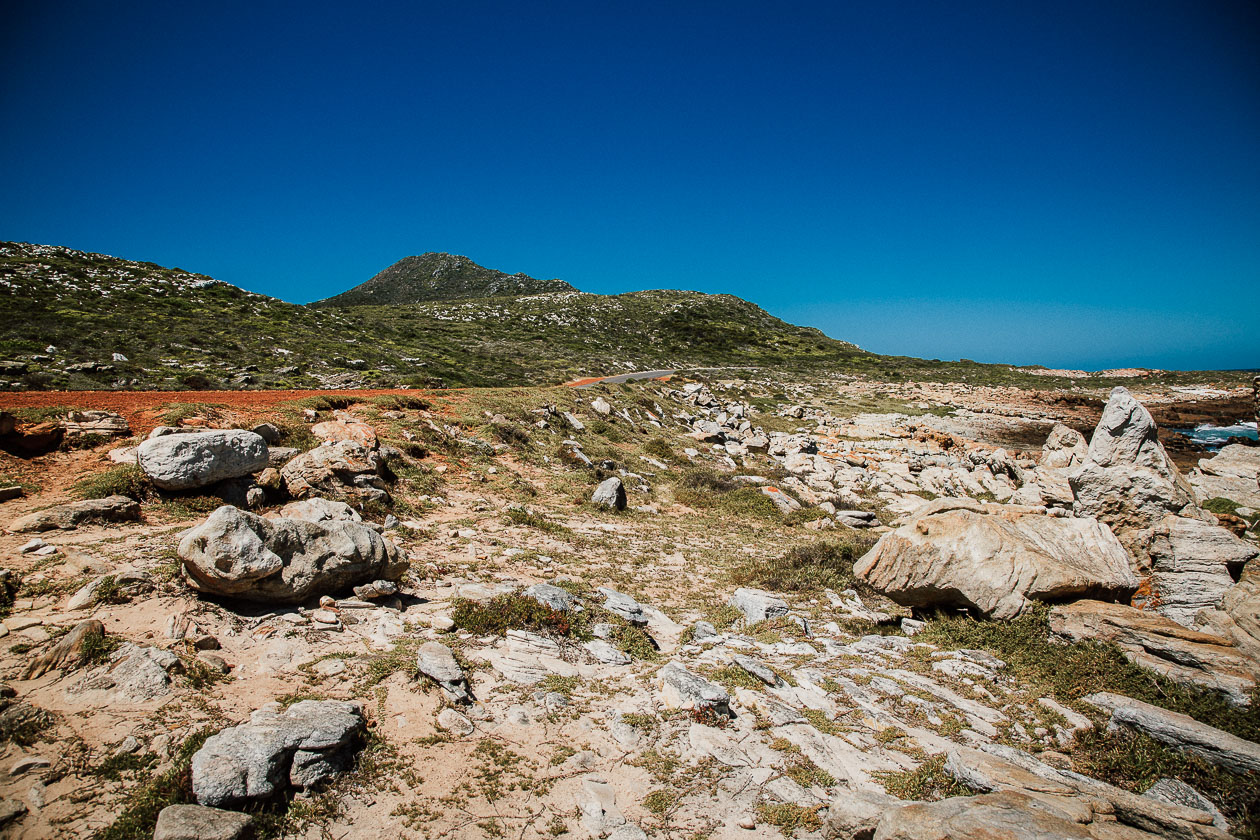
1214 437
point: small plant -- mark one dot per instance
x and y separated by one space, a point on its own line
521 516
110 591
928 782
789 817
96 649
124 480
139 811
510 612
1221 505
805 568
732 676
661 802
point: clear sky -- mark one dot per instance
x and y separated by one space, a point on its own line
1068 183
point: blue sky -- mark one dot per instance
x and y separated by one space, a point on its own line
1071 183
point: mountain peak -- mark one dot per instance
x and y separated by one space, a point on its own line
440 276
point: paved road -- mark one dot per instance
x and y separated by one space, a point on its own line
626 377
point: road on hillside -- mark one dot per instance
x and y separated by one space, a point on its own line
620 378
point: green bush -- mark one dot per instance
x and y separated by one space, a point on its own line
928 782
124 480
805 568
1221 505
511 612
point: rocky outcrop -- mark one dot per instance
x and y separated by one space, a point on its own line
1233 473
1192 563
1180 732
105 423
1148 639
994 559
238 554
74 514
186 461
343 469
300 748
1185 559
1128 481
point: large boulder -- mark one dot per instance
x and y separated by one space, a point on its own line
1148 639
187 461
994 559
1127 479
239 554
344 468
74 514
300 748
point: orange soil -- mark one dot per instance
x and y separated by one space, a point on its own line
141 408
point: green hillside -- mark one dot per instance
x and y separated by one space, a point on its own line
431 277
177 329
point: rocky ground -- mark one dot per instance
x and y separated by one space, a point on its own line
664 609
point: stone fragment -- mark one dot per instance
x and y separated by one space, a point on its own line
560 600
606 653
437 662
681 689
453 721
623 605
611 494
197 822
757 605
758 669
74 514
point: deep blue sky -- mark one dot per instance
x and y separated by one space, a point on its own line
1074 184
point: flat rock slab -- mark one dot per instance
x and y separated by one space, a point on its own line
1180 731
74 514
1161 644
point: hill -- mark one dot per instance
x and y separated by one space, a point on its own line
83 321
440 277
